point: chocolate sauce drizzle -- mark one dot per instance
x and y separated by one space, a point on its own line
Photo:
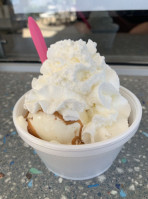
77 140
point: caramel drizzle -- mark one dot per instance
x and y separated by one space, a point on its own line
31 129
77 139
26 115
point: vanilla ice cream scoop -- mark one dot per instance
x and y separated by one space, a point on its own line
78 94
49 127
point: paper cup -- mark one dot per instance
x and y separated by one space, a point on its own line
80 162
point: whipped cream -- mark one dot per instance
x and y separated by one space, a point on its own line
77 83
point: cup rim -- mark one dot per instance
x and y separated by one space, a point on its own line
92 146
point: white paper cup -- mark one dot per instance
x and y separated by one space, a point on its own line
80 162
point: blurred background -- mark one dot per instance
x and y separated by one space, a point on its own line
120 29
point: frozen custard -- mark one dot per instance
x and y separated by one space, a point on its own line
76 99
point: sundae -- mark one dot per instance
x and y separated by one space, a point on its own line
76 99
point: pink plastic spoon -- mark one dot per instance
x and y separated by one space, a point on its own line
38 39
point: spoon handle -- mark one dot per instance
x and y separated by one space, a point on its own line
38 39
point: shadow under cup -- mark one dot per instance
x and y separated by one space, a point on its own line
80 162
